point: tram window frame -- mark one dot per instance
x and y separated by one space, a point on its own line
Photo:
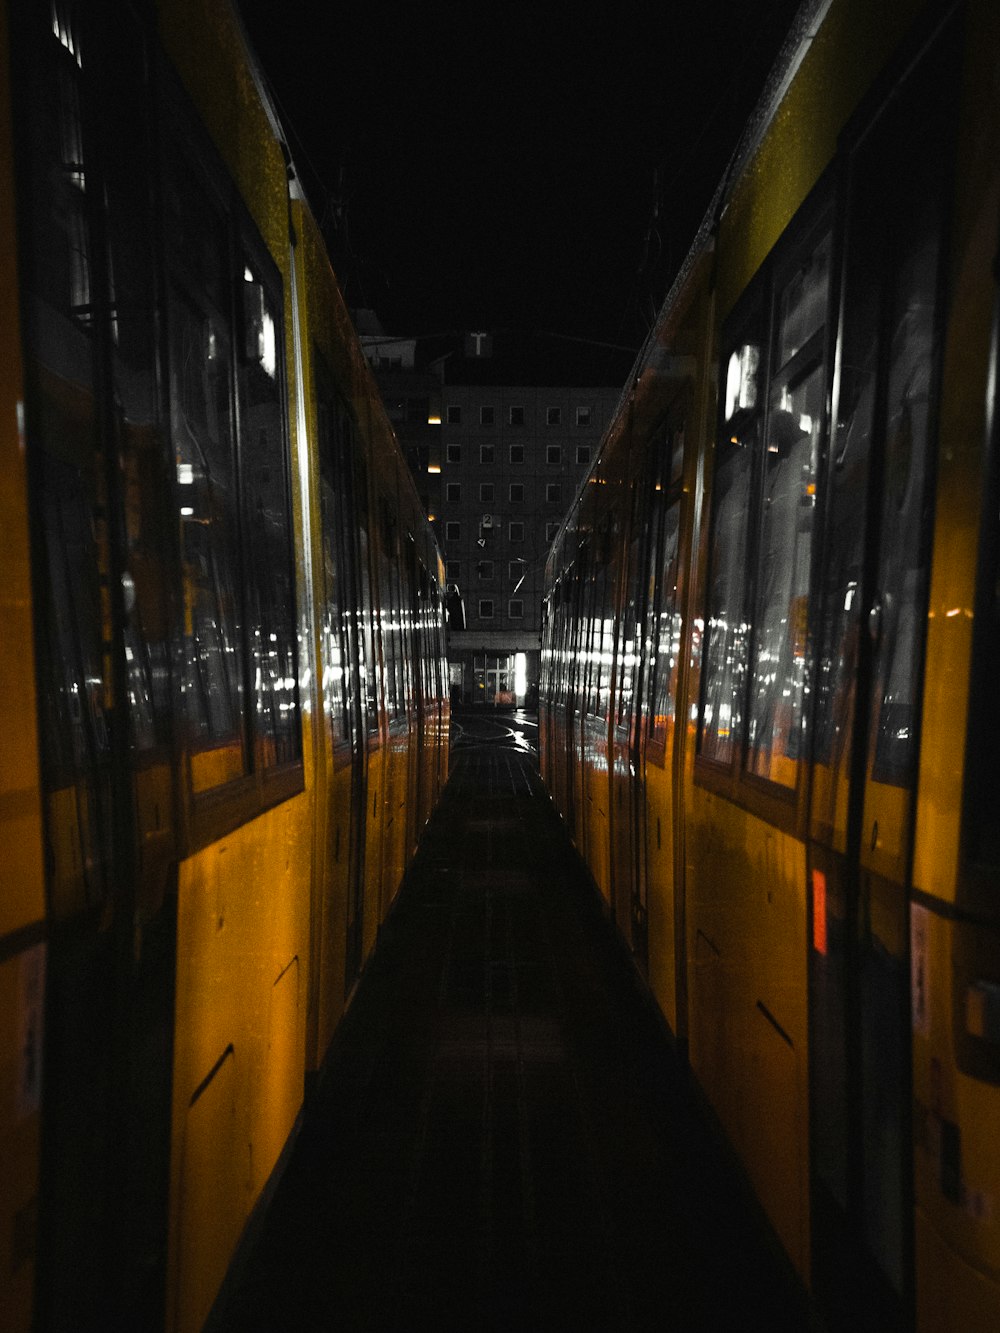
219 807
756 323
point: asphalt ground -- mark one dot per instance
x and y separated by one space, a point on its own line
504 1137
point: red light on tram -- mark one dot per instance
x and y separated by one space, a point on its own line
819 911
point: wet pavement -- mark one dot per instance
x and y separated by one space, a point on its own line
504 1137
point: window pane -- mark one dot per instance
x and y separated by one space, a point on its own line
726 630
666 632
782 595
269 576
212 669
802 304
901 578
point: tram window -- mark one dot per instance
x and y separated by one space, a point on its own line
787 508
763 518
268 565
228 431
336 446
665 631
726 630
201 418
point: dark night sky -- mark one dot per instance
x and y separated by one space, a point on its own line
492 166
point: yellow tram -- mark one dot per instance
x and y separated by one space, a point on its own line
771 648
225 705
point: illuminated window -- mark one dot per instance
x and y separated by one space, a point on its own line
766 464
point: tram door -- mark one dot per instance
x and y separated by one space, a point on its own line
869 638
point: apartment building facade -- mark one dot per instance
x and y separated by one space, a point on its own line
499 431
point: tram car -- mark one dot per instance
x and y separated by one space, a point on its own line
224 710
771 653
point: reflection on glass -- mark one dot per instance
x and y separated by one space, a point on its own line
666 632
782 591
726 630
201 417
802 303
900 579
270 590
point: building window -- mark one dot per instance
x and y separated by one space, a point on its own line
553 416
486 453
583 453
484 569
516 532
486 416
553 453
486 608
486 492
515 416
453 571
515 571
454 453
454 414
453 492
515 608
453 532
553 493
583 416
550 531
517 453
516 492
